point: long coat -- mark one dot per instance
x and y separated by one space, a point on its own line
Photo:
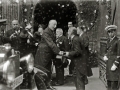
47 48
113 54
85 52
76 54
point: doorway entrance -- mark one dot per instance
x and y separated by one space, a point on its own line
63 11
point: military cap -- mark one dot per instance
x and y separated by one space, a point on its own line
110 27
3 21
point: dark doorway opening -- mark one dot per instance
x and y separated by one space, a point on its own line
63 11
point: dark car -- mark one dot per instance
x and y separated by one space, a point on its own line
19 73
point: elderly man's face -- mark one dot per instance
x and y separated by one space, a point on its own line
15 24
58 33
53 25
40 30
78 30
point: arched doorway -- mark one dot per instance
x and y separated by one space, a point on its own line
62 11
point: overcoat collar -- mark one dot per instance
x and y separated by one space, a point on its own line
110 43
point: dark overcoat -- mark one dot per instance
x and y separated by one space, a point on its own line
85 52
113 53
47 48
76 54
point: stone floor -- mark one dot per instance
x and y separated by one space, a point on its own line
94 83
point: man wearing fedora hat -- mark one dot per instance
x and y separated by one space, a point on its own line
112 58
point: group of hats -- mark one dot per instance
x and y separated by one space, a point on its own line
110 27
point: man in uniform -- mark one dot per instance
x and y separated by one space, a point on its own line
112 58
47 48
62 44
75 55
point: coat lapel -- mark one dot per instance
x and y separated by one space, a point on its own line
110 43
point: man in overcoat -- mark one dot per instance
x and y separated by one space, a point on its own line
112 58
47 49
84 39
80 69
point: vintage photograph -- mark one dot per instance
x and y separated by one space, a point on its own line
59 45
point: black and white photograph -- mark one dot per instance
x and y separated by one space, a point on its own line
59 44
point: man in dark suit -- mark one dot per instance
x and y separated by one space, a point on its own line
80 69
112 59
71 66
84 39
62 44
47 48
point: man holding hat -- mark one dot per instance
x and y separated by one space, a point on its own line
112 58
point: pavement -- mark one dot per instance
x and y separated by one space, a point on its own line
94 83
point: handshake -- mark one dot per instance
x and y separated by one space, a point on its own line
62 53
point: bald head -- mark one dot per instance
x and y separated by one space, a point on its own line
15 24
52 24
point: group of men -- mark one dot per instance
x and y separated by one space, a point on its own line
55 47
73 47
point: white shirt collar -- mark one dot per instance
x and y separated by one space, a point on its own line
72 37
81 34
112 38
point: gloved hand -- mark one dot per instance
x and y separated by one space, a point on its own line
66 54
114 67
69 61
61 53
105 58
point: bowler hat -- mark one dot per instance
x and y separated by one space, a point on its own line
110 27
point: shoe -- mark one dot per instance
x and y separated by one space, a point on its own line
58 84
51 88
86 81
70 75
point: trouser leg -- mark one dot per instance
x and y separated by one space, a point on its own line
48 67
60 75
71 67
79 80
113 85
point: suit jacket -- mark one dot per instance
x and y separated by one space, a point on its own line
113 54
76 55
85 51
47 48
62 43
